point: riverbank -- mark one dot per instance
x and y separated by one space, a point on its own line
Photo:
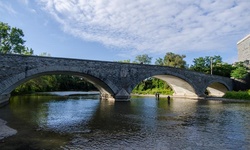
199 98
6 131
227 99
165 96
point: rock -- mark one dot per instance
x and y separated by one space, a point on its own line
5 131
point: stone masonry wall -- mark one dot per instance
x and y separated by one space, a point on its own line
118 79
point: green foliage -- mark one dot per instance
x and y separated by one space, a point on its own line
174 60
124 61
39 84
152 86
203 64
223 69
11 40
145 59
238 95
153 91
159 61
239 73
54 83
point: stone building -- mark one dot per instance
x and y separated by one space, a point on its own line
243 47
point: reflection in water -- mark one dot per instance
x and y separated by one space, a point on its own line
85 122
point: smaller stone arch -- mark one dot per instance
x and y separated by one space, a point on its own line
217 89
181 87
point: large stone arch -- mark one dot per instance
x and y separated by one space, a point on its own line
217 88
105 87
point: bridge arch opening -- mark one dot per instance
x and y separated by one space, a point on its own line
105 91
216 89
179 87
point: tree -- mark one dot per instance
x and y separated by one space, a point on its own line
223 69
11 40
201 64
145 59
173 60
124 61
239 73
159 61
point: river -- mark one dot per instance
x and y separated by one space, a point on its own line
79 120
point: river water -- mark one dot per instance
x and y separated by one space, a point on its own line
82 121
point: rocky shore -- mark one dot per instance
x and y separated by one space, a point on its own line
5 131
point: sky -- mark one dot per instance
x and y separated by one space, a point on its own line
114 30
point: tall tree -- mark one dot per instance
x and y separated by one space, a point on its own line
174 60
159 61
145 59
223 69
201 64
213 65
11 40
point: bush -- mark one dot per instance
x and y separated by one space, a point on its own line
237 95
153 91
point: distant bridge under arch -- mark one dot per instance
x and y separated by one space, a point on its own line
113 79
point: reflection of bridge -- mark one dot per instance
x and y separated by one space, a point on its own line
114 80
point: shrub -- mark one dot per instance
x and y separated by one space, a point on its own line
237 95
153 91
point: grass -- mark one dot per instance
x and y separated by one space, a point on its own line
237 95
153 91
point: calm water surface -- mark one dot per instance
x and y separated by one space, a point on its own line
82 121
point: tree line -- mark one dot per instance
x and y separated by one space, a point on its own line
11 42
61 82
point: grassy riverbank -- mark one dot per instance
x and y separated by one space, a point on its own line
153 91
238 95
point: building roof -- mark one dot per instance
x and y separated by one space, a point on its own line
248 36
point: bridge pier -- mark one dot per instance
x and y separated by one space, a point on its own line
4 99
122 95
122 98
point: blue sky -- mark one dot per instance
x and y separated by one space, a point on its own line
113 30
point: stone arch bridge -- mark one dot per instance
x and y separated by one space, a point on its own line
114 80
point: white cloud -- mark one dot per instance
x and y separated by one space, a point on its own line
6 7
154 26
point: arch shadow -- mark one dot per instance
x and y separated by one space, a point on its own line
217 89
180 86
